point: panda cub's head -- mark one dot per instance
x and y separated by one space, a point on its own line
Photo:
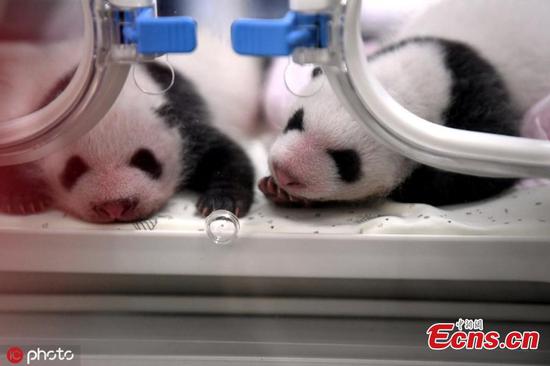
323 154
124 169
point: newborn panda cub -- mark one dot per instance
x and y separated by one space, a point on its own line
145 149
324 155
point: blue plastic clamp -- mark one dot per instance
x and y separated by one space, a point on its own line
160 35
279 37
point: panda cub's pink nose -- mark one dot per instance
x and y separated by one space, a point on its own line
285 178
117 209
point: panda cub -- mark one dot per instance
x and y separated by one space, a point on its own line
149 147
457 65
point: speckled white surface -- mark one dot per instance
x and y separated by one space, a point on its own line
520 212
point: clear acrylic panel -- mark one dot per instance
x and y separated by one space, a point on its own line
39 52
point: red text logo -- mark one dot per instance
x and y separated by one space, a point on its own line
469 335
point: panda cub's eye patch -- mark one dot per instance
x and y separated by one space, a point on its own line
146 161
316 72
348 164
74 169
296 122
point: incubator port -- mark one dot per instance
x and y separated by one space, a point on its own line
222 227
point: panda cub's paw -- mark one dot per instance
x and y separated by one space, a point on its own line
274 193
22 192
218 199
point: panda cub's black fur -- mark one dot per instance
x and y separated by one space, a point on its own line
479 102
216 166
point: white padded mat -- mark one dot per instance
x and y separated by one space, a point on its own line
523 211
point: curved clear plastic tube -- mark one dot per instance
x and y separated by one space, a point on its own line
80 106
442 147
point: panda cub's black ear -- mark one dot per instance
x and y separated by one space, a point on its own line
296 122
316 72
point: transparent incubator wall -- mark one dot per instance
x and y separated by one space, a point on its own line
333 168
273 182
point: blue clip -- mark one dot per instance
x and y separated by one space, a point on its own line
279 37
159 35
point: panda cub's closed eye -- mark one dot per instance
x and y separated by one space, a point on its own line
74 169
145 160
348 164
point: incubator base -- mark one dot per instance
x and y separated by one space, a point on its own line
334 286
169 340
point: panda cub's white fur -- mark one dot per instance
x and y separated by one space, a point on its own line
459 63
148 147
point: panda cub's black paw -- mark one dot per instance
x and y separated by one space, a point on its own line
236 202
